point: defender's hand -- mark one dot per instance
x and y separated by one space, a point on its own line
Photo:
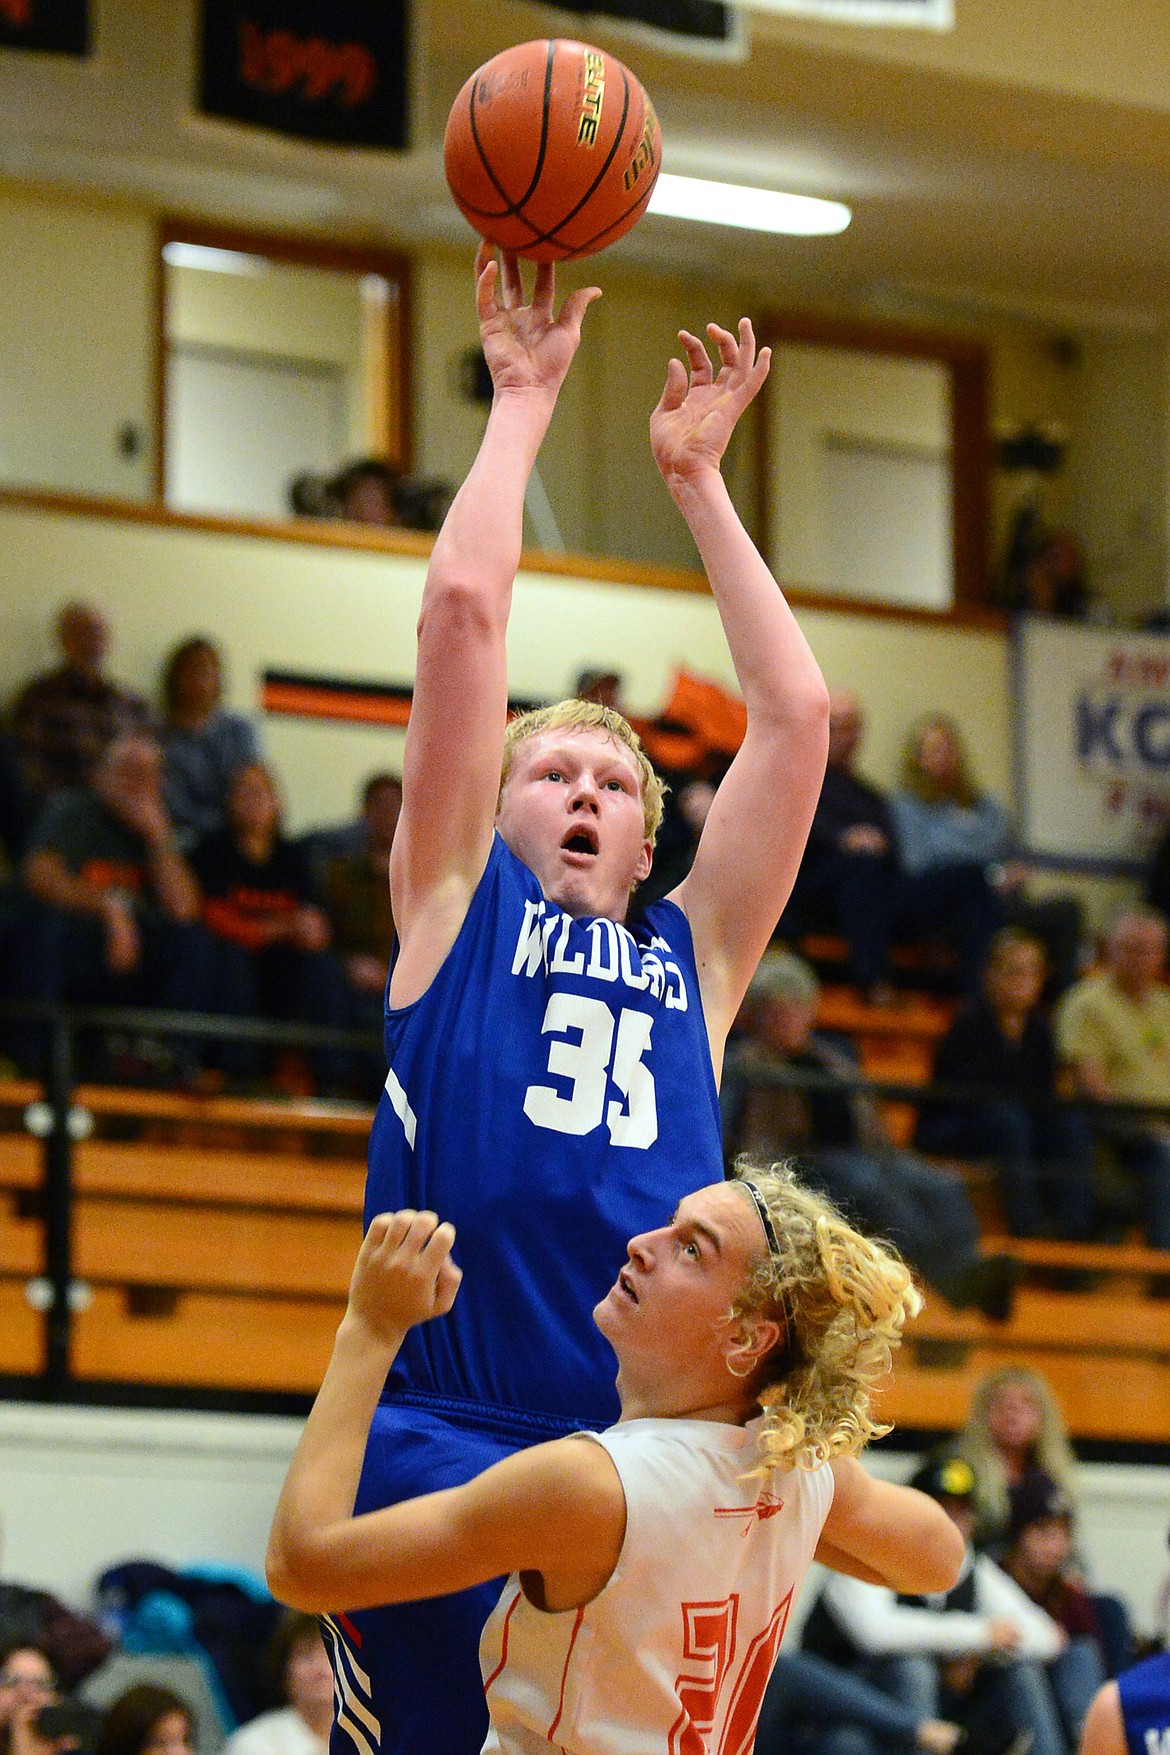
695 418
526 346
404 1274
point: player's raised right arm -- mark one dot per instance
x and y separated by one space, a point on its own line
451 766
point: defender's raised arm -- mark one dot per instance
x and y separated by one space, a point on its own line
451 767
758 824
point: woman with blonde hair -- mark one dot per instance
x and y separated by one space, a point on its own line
1014 1430
652 1565
945 822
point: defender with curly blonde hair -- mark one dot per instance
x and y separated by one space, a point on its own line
684 1530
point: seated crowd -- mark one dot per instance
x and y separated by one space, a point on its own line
1007 1662
149 866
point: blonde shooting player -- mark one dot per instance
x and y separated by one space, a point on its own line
553 1057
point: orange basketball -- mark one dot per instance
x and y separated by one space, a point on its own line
552 149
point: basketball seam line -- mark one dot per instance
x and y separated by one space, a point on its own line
512 209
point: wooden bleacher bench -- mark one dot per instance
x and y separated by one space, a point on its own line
214 1236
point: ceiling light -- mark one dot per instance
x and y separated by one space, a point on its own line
758 210
211 260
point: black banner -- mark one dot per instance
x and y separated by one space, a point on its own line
59 27
330 70
708 20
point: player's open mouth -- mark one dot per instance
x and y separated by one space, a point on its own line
581 841
626 1286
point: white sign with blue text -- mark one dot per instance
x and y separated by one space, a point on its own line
1092 742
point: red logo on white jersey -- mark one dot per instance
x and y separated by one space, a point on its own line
767 1505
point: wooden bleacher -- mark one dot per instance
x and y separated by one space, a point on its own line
216 1237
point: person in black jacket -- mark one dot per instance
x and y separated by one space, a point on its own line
1043 1152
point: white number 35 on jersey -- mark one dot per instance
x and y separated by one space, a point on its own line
589 1049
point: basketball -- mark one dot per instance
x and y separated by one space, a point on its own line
552 149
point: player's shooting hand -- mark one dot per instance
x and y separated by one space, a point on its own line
404 1274
527 346
697 412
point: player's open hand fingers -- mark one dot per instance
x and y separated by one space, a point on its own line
730 351
544 290
698 357
674 391
575 306
511 282
487 278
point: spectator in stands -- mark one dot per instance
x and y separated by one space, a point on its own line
1113 1030
65 719
1014 1431
357 897
946 825
1039 1556
27 1683
118 906
842 1145
1043 1151
204 745
852 879
1013 1438
270 955
819 1708
302 1726
147 1720
683 819
366 492
976 1657
602 686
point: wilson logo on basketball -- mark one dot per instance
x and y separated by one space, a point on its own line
310 68
644 158
593 100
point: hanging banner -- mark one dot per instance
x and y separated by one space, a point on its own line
1092 742
328 70
56 27
693 24
923 14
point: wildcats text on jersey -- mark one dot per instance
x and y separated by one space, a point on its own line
612 955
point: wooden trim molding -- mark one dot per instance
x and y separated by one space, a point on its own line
324 533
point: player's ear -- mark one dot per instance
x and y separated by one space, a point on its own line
750 1342
645 861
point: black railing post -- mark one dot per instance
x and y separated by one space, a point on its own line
58 1208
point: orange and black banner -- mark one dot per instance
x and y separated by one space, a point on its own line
327 70
343 699
56 27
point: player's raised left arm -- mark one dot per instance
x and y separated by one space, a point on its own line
755 834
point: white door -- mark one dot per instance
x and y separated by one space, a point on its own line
241 426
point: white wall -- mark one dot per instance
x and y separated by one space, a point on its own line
84 1488
351 612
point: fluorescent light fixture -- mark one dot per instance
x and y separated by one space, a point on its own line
212 261
757 210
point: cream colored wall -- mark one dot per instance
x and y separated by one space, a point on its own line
76 344
352 613
293 313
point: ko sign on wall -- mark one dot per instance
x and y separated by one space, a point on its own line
1093 741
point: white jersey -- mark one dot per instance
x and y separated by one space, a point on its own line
673 1656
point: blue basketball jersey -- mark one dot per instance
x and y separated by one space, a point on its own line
1144 1693
552 1095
